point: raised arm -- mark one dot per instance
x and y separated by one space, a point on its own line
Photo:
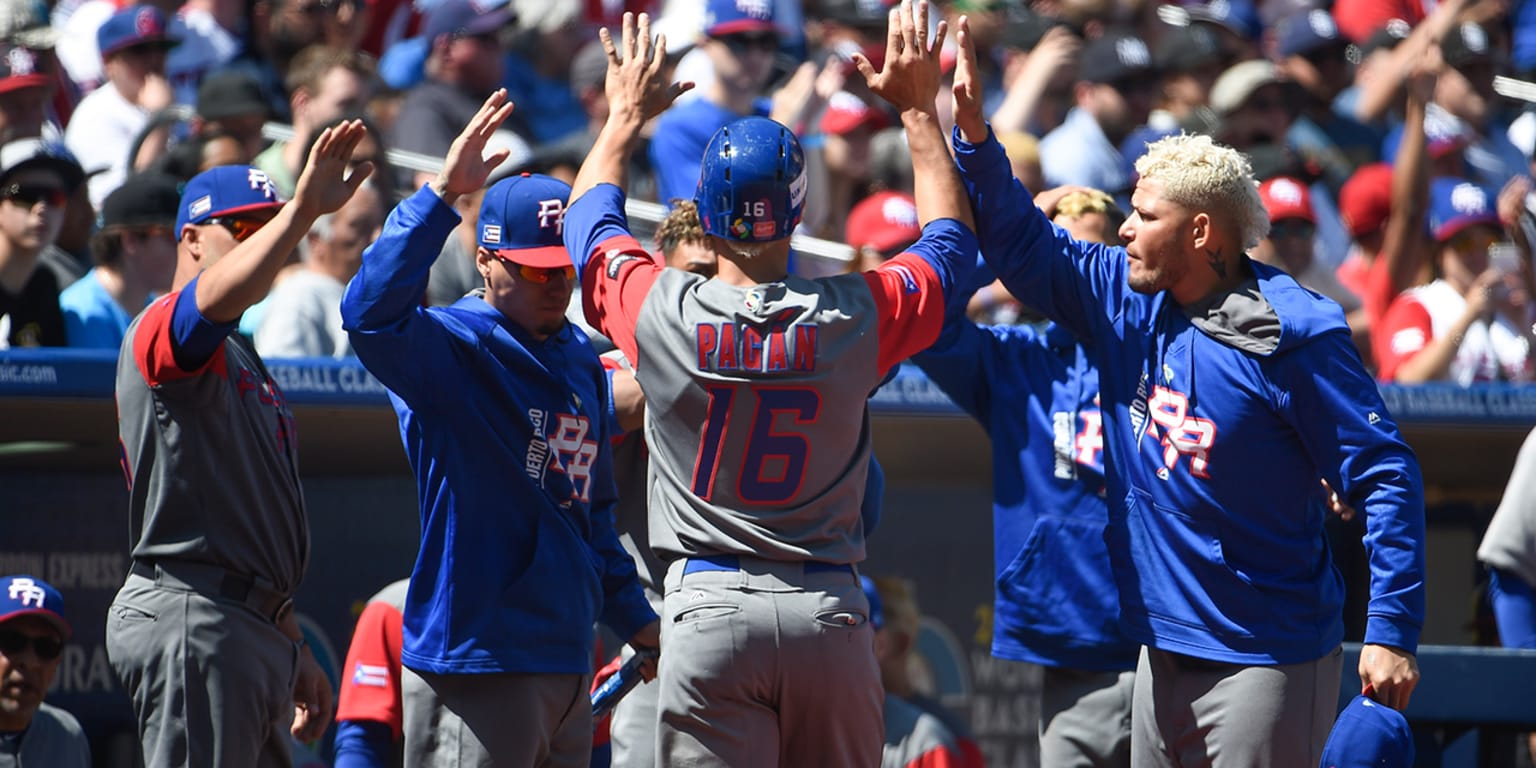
244 276
636 93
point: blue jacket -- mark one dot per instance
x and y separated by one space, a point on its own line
508 437
1037 396
1215 445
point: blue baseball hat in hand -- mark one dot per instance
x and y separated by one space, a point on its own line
522 219
1369 735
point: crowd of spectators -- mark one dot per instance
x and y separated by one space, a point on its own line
1395 172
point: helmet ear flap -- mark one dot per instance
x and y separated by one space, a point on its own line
752 182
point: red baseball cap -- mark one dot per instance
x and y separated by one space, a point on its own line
884 221
1287 198
20 67
1365 200
846 112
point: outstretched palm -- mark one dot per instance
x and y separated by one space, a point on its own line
466 167
635 86
324 186
910 79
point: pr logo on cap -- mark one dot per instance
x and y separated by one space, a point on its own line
1469 199
552 214
1133 53
28 592
491 233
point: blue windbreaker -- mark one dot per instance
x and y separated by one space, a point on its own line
1037 396
1214 450
508 437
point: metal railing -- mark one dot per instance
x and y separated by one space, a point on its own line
642 213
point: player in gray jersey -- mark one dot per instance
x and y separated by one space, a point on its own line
756 384
203 633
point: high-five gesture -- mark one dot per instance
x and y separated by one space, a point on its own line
466 167
967 88
910 79
325 186
635 89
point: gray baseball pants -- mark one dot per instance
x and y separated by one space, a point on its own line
1190 712
211 681
770 664
508 720
1085 718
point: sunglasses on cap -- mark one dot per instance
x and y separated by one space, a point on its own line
240 229
740 42
13 643
543 275
29 195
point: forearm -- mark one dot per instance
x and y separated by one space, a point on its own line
1433 362
939 193
608 160
395 268
1410 192
244 276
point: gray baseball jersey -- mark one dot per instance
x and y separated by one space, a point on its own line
53 739
210 456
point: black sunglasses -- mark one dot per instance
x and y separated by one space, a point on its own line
31 194
762 41
46 648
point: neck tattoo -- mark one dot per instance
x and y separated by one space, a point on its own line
1218 264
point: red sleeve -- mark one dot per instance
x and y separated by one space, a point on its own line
909 301
370 681
621 273
1405 331
154 348
942 756
1359 19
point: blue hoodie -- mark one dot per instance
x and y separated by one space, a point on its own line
1037 396
508 437
1216 436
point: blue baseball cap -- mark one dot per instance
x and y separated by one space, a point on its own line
876 608
1369 735
730 17
1455 204
23 595
466 18
131 26
1309 31
1240 17
522 218
226 190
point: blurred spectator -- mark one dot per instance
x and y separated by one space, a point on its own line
105 125
589 73
135 254
1291 241
464 65
1312 54
1359 19
303 317
916 734
538 71
32 635
1465 90
35 182
210 32
1113 97
1039 78
324 84
25 90
1236 23
740 40
847 127
232 104
1461 327
1024 155
1188 61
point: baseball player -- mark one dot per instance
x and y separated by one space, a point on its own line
503 410
203 633
32 635
1226 390
756 384
369 721
1036 393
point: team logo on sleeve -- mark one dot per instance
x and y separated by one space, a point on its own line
370 675
908 277
616 262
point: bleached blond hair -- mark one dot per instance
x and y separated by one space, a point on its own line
1202 175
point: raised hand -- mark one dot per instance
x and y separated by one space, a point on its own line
967 89
466 167
325 185
635 89
910 79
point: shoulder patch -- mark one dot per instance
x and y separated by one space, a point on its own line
616 262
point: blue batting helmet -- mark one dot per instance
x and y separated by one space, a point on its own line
752 182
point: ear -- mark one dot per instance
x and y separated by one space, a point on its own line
1201 230
192 236
484 262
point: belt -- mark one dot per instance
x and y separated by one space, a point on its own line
733 563
215 582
